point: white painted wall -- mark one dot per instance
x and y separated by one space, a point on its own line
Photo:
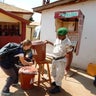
87 52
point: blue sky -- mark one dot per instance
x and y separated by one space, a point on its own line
28 5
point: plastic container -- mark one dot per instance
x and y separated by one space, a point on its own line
91 69
26 76
39 50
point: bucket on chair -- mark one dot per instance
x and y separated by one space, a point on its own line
39 50
26 76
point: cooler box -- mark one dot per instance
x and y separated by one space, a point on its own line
91 69
26 76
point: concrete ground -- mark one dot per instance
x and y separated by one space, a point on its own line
77 83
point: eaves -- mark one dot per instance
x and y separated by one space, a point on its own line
39 9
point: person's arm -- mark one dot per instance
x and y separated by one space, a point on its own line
69 57
48 42
24 62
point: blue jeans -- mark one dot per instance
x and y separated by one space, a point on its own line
12 77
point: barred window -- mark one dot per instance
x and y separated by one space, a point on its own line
9 29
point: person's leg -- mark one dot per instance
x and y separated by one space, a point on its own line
60 73
60 66
94 82
16 72
53 72
10 80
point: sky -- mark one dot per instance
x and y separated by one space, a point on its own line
28 5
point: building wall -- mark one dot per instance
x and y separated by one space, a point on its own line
87 51
24 16
6 39
28 33
6 18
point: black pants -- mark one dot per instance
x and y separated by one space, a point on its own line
12 77
94 82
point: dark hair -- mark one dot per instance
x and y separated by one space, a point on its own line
26 42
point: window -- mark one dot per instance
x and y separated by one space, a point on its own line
73 20
9 29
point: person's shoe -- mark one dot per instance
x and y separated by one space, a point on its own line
15 85
55 90
53 83
5 93
94 82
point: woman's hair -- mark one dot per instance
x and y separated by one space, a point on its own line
26 42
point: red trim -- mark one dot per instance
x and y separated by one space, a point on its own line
23 31
6 39
13 16
22 12
80 28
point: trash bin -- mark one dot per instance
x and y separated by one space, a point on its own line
26 76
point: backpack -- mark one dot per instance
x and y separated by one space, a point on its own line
8 48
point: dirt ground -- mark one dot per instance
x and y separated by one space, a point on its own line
77 83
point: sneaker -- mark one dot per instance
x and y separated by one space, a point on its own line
5 94
55 90
53 83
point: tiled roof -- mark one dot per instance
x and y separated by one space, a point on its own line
12 8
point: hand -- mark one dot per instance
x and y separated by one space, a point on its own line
46 41
30 63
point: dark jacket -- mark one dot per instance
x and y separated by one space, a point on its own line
9 60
